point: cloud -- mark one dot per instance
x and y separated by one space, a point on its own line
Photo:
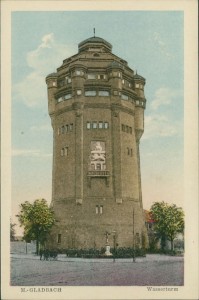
161 45
160 126
164 96
30 153
43 60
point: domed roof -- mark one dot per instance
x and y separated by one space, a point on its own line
139 77
52 75
95 40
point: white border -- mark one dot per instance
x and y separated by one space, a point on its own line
190 289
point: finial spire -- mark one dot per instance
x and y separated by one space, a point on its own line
94 31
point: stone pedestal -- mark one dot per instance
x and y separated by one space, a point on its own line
108 253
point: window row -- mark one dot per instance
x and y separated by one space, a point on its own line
92 93
126 129
89 93
65 128
126 83
97 125
137 102
139 86
64 151
101 93
96 76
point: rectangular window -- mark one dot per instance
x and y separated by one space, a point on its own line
79 92
90 93
59 238
91 76
101 76
67 96
106 125
60 99
97 209
100 125
78 72
65 151
62 129
103 93
124 97
88 125
71 127
69 80
137 85
98 167
94 125
122 81
66 128
137 102
101 209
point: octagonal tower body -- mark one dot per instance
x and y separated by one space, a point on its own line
96 104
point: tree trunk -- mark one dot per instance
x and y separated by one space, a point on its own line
37 246
172 245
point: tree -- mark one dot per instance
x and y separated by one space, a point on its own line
12 231
169 221
37 220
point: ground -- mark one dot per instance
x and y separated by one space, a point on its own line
153 270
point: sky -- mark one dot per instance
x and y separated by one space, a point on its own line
150 41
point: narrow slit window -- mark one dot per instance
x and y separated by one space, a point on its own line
62 129
101 209
88 125
106 125
100 125
71 126
94 125
59 238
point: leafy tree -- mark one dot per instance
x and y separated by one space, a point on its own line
37 220
169 221
12 231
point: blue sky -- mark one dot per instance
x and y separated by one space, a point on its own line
152 44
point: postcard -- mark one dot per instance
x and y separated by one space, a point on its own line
99 149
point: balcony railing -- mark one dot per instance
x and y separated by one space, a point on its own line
98 173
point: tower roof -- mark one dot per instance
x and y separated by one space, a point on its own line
95 41
138 77
52 75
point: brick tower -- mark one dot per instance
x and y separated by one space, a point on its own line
96 104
